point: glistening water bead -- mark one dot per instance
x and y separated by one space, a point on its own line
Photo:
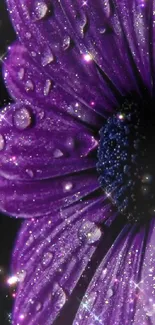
126 160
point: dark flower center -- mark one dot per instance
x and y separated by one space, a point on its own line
126 159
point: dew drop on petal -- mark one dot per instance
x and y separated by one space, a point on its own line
40 10
104 273
47 57
89 232
21 275
2 142
102 30
29 85
38 306
30 240
89 299
47 87
110 293
66 43
21 73
22 118
30 173
59 295
83 25
57 153
47 258
107 8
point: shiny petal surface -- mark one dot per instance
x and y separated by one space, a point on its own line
110 35
27 81
136 18
50 255
42 145
122 290
51 42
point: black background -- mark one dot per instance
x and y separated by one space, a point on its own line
8 226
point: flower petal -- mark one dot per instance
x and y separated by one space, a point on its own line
122 287
49 258
135 17
45 146
25 80
98 27
51 42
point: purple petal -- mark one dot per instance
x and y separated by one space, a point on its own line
45 146
135 17
122 287
46 38
98 27
50 256
145 309
26 81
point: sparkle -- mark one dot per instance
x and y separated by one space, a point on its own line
85 3
21 317
121 116
12 280
87 57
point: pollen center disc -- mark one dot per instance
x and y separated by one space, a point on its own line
126 160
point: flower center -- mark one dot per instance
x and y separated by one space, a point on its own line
126 160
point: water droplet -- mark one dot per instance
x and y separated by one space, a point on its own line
102 30
22 118
47 58
59 293
29 85
83 24
67 186
21 73
30 172
30 240
90 232
2 142
57 153
104 273
41 10
107 8
38 306
21 275
110 293
76 109
66 43
47 87
47 259
89 299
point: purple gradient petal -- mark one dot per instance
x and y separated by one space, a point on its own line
49 263
99 28
43 145
68 68
123 286
26 81
135 17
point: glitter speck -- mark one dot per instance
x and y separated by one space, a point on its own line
88 57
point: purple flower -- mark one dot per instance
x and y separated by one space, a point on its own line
77 154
